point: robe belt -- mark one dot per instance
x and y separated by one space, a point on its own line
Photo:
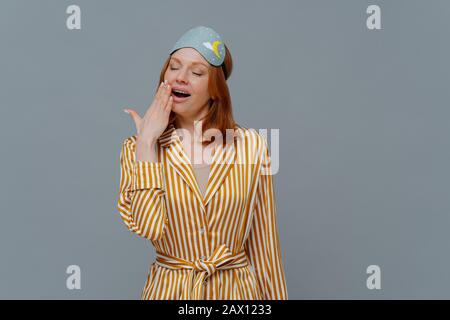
201 269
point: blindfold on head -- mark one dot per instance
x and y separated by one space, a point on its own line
206 41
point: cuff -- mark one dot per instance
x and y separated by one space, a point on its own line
147 175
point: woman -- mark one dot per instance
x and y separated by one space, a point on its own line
213 223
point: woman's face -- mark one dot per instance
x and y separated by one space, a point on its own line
189 71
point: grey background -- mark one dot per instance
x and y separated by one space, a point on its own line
363 118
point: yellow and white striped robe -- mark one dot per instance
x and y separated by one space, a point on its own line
222 246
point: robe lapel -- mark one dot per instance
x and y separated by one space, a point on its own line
223 161
178 159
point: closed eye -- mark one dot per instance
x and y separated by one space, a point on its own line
197 74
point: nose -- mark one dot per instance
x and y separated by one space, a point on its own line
181 76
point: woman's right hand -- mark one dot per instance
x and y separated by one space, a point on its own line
152 125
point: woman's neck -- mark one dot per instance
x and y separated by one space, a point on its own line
193 126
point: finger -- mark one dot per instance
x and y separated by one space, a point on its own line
163 89
165 96
160 90
163 93
135 116
169 105
157 99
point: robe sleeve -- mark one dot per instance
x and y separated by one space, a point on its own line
141 194
262 245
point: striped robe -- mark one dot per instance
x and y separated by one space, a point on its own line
223 245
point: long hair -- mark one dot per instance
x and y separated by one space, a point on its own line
220 113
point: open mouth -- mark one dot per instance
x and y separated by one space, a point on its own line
180 94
